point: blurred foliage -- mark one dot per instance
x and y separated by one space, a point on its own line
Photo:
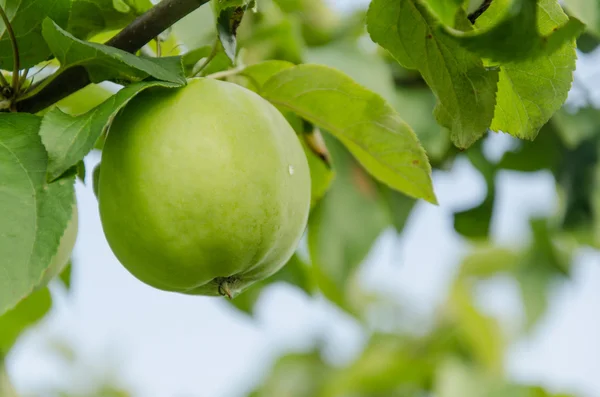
461 354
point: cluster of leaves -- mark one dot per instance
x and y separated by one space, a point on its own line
373 119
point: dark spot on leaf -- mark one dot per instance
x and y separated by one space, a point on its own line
429 36
415 162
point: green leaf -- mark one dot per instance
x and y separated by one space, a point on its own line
480 334
321 175
361 120
475 223
588 11
516 36
26 17
261 72
545 153
487 261
229 16
83 100
34 214
65 275
355 62
69 138
416 106
96 179
531 91
446 10
28 312
103 62
574 128
400 206
344 224
464 88
88 18
191 58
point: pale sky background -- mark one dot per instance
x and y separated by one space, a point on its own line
162 344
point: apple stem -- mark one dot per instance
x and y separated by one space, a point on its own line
225 290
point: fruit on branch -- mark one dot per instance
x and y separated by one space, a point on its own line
203 189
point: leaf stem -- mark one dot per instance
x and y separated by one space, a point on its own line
15 49
210 57
226 73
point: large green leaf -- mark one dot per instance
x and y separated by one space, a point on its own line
531 91
28 312
34 213
69 138
26 17
103 62
464 88
516 36
360 119
588 11
88 18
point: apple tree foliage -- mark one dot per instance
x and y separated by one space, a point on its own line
379 98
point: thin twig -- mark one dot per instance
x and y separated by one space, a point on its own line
210 57
15 49
480 10
133 37
158 49
226 73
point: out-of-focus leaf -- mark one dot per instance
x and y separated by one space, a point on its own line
464 88
446 10
96 179
531 91
65 275
345 223
26 17
295 375
27 313
475 222
487 261
196 29
416 106
388 361
544 153
360 119
456 379
516 36
68 139
587 42
34 213
321 175
400 206
260 73
480 334
577 181
587 11
191 58
574 128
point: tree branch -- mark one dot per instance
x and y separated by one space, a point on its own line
133 37
480 10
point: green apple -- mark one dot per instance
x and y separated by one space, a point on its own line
203 189
67 242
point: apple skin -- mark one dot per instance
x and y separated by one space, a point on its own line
65 248
203 189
